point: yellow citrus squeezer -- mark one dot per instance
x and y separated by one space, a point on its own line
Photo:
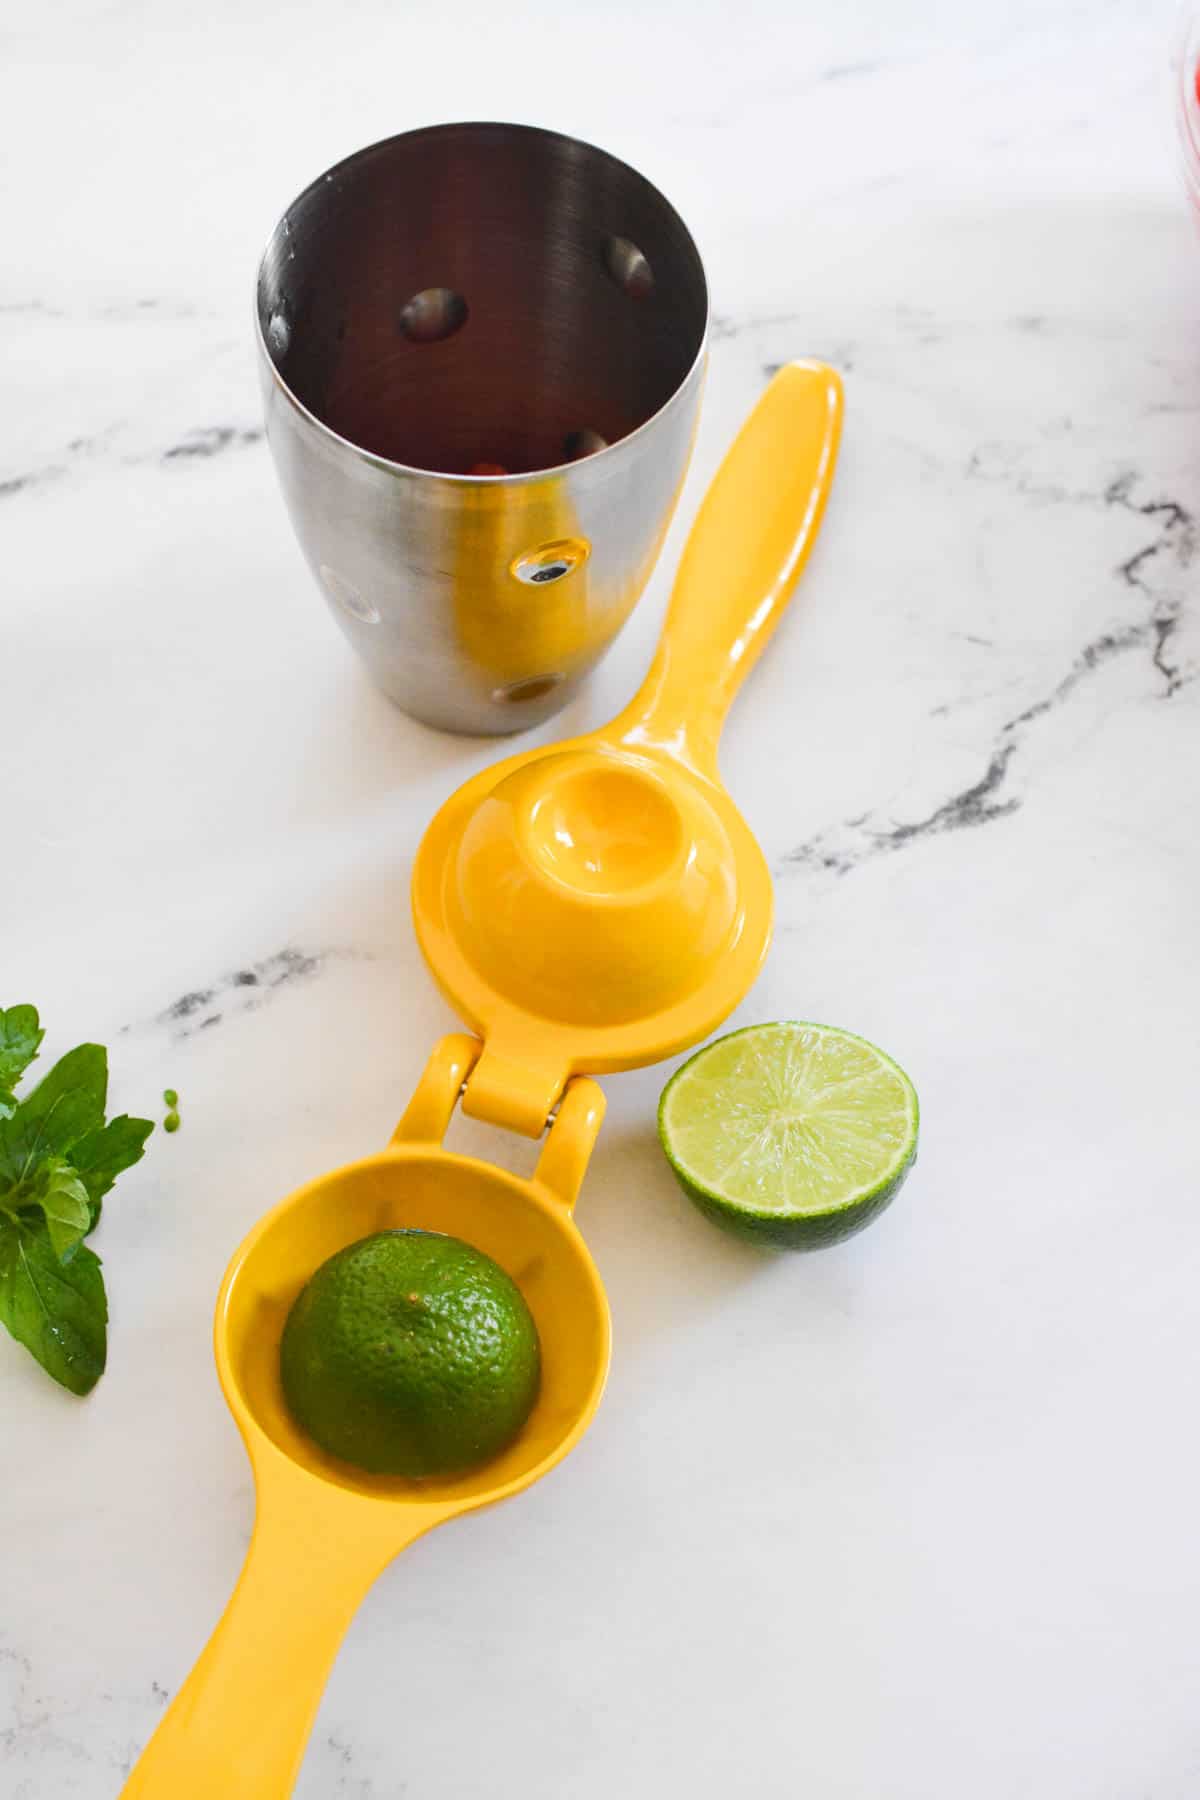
593 906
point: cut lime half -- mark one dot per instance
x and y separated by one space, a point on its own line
790 1134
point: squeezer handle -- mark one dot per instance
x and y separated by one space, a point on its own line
238 1727
752 537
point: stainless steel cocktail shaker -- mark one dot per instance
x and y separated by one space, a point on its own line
482 350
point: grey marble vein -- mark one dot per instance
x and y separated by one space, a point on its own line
57 467
240 990
349 1783
198 444
723 326
138 310
852 71
53 470
210 440
37 1728
17 484
30 309
1170 547
1174 542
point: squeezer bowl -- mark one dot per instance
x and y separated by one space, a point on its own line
324 1530
524 1226
431 1191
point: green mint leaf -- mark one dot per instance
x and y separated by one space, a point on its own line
64 1202
101 1156
64 1107
58 1159
20 1035
57 1310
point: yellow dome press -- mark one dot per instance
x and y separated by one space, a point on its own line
602 904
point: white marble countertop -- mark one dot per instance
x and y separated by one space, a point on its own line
914 1517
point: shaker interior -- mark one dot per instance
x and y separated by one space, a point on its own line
476 295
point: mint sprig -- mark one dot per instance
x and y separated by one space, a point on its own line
58 1159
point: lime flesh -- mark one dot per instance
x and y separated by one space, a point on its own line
791 1134
411 1353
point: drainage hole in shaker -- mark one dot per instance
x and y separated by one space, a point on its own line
433 314
550 562
524 691
628 267
578 444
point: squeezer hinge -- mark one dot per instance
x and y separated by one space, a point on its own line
573 1119
505 1090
